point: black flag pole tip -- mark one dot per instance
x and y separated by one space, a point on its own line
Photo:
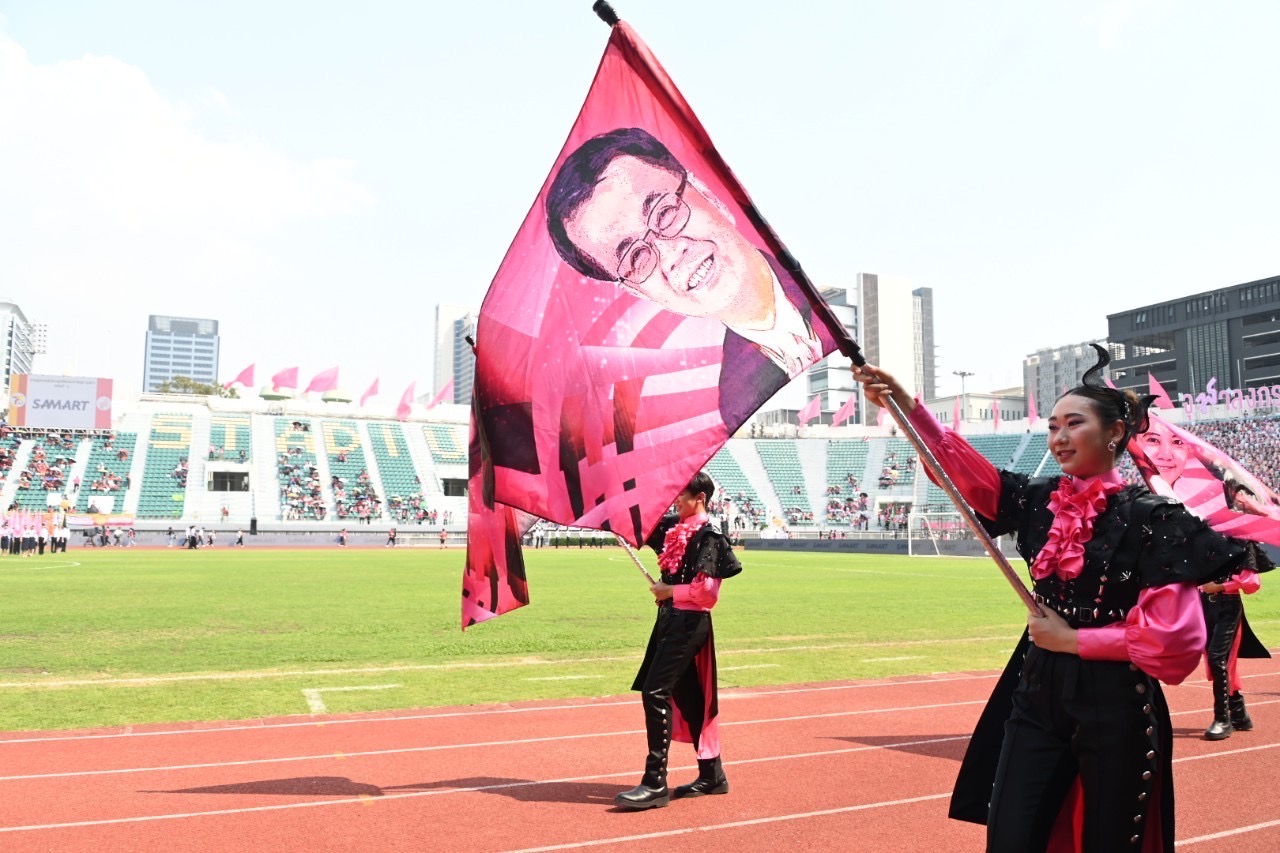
605 11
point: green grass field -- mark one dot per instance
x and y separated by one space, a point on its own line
114 637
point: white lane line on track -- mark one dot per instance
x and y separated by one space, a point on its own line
478 745
733 825
744 694
445 667
366 800
1227 833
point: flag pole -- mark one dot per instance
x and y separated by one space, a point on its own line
966 512
635 558
665 90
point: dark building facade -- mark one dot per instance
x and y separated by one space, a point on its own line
1231 335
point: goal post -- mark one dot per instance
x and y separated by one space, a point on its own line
944 534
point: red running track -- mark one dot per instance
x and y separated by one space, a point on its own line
829 767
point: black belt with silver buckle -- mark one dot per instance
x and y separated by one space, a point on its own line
1077 616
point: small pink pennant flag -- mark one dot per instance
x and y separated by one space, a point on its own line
811 410
880 416
1154 387
995 415
444 393
244 377
325 380
372 392
955 416
406 403
847 411
1032 414
287 378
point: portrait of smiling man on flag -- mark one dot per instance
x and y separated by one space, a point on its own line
622 208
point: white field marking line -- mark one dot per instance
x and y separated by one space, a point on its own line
437 667
366 800
748 666
737 824
887 660
60 565
565 677
1227 833
484 712
316 703
485 744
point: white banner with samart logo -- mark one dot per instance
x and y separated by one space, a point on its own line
60 402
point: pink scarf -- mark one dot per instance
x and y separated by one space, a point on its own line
1074 505
677 540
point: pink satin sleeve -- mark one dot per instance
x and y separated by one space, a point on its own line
702 594
1246 581
974 475
1164 634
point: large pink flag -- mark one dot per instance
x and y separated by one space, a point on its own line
641 268
1214 486
1156 390
406 403
287 378
1032 414
443 394
372 392
244 377
325 380
811 410
848 410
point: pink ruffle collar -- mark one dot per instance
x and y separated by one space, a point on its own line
1074 504
677 540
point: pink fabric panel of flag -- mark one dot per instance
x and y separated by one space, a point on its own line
618 347
1178 464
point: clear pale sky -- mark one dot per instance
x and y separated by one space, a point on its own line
317 176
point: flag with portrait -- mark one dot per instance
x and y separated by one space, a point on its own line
1214 486
643 312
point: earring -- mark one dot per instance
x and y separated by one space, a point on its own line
1112 447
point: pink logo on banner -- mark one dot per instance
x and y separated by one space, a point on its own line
1216 488
641 315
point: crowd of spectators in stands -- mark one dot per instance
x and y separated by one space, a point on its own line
300 492
47 472
360 501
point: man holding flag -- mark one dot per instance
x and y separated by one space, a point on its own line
677 681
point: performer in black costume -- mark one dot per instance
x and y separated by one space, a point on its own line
1230 638
677 680
1075 744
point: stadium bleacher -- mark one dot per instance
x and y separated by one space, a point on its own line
301 493
783 466
164 477
395 466
354 494
105 457
231 437
732 485
446 446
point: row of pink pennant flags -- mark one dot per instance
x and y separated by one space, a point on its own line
327 380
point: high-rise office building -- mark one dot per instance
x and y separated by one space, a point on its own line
1048 372
464 358
831 378
21 340
180 346
897 332
442 370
